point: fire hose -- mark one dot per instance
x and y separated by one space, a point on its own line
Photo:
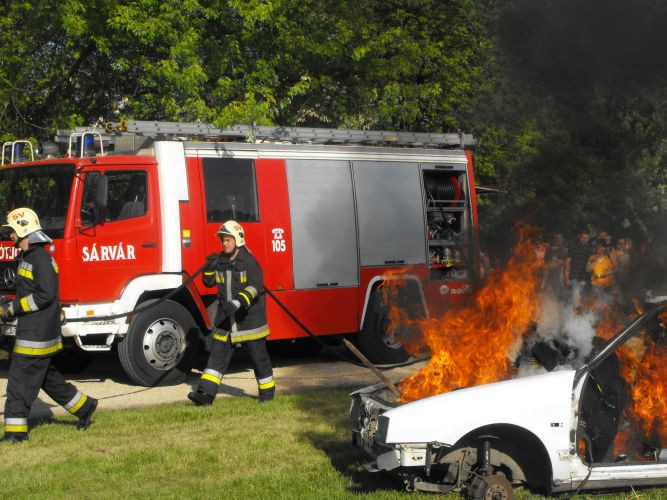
208 263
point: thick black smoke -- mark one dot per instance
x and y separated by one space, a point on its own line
571 46
589 77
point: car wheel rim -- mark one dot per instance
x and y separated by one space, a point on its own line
164 344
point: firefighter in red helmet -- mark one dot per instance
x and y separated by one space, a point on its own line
240 316
38 332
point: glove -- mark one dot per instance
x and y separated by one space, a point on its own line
227 309
211 262
5 311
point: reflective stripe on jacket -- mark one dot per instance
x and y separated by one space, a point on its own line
37 306
239 281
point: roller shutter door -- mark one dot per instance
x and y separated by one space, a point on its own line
390 212
324 233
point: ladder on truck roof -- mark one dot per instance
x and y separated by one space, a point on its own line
252 134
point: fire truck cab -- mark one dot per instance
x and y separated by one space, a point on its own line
329 223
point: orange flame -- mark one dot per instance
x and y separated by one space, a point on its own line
470 346
622 443
643 366
649 392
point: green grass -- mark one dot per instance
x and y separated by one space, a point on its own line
296 447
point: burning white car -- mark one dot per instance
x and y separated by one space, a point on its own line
560 431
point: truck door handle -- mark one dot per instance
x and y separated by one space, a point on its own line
394 262
149 245
333 283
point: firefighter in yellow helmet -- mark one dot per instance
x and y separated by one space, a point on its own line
240 316
38 331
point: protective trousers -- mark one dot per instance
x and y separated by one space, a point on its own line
26 377
218 361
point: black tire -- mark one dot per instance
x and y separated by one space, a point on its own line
73 360
160 346
373 339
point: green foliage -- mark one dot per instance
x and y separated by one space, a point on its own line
296 447
396 65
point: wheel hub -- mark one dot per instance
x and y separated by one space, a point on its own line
491 487
388 339
164 344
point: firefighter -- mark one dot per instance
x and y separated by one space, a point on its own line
240 317
38 332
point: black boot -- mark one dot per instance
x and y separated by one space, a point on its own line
14 437
200 398
87 418
267 395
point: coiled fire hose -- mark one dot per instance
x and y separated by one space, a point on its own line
209 262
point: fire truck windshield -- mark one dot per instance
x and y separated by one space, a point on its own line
43 188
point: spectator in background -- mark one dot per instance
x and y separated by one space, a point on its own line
605 238
576 275
623 267
621 255
485 266
540 247
554 266
601 269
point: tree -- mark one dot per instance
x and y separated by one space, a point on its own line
400 65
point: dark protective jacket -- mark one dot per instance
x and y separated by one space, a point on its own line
37 304
240 281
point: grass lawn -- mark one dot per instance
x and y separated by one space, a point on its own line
296 447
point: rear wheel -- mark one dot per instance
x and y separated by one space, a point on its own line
161 345
374 339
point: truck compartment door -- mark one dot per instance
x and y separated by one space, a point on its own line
324 233
391 213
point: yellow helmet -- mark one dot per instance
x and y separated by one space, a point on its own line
23 221
234 229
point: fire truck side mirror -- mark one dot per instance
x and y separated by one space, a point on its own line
101 192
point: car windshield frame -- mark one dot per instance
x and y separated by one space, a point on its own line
44 188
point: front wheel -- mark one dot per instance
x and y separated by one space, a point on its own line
160 346
491 487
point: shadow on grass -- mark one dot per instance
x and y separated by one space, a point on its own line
336 442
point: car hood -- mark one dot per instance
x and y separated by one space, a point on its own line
540 403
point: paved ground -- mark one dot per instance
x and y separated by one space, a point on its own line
105 380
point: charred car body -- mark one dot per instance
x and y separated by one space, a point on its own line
551 432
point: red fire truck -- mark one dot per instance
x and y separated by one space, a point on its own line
133 211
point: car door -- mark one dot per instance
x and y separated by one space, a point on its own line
122 241
622 408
